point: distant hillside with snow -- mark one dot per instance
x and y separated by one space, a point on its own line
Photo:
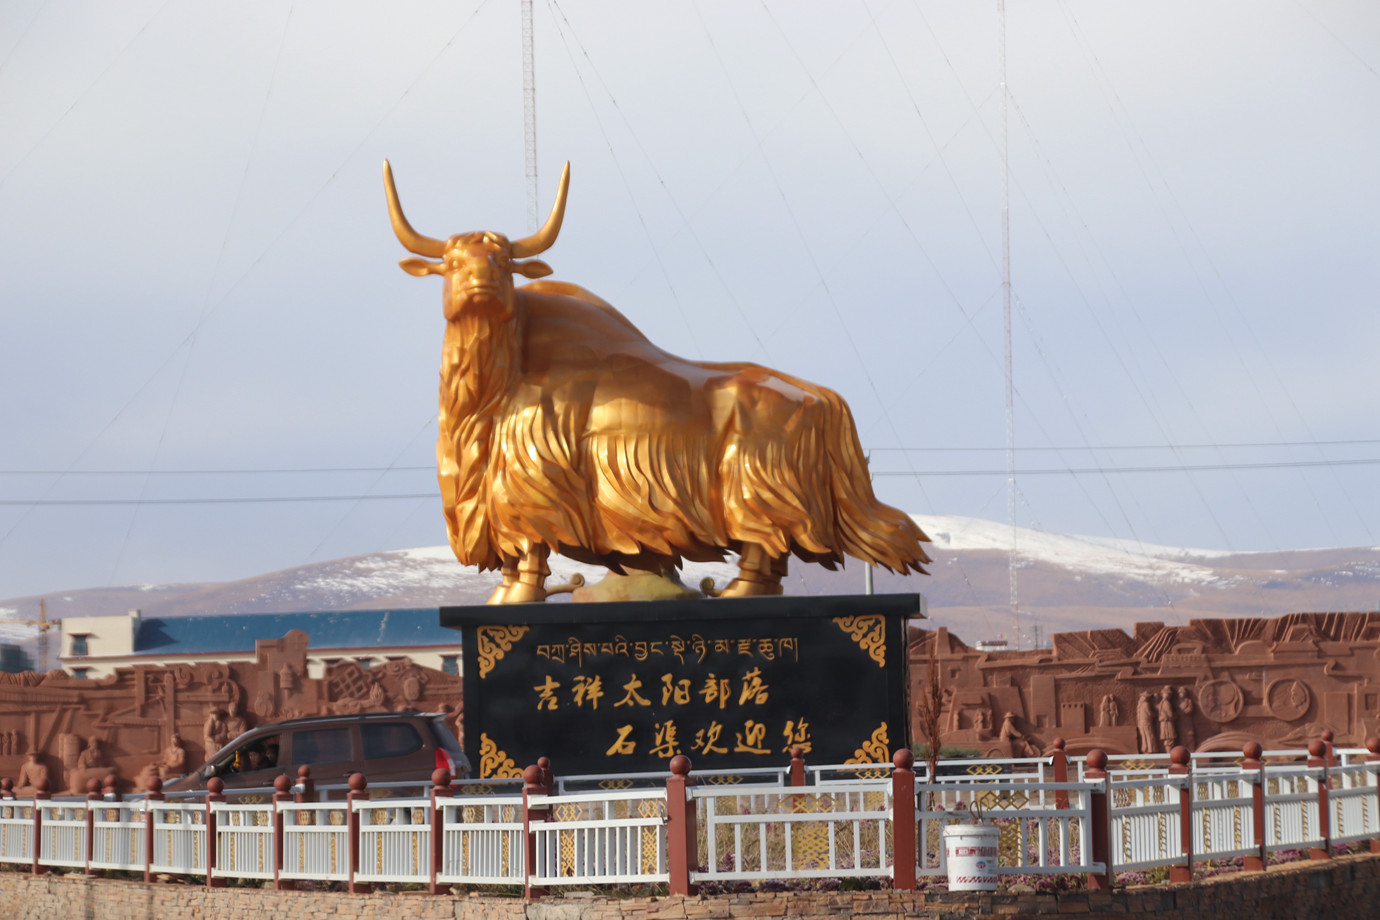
1064 583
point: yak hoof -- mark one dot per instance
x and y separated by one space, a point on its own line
500 595
740 587
522 594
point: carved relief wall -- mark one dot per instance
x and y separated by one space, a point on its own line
147 721
1211 685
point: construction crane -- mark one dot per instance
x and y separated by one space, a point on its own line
43 624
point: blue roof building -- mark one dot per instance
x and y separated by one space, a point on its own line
95 646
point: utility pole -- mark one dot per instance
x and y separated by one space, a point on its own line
1006 320
529 112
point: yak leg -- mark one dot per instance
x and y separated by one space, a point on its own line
531 577
510 577
758 574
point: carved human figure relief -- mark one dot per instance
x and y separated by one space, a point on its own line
30 773
1110 710
1145 723
1187 736
1168 735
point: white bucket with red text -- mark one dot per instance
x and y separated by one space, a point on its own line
970 851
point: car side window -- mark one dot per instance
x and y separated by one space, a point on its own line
389 739
323 745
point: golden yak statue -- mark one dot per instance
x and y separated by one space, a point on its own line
563 428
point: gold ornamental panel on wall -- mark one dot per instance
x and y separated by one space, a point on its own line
493 763
869 633
494 642
874 750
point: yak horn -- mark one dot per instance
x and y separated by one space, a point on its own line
541 240
412 240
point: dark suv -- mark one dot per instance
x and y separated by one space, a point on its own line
387 747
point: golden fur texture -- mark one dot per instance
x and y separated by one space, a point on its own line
563 425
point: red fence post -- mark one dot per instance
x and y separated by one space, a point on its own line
440 789
682 843
536 780
1331 754
282 792
1179 765
903 855
1100 847
93 795
40 795
1059 767
1317 758
1373 757
358 793
155 794
1251 754
797 766
214 787
306 788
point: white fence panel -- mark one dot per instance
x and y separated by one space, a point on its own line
17 833
1037 836
1146 822
244 840
316 841
601 838
830 830
63 840
394 840
484 842
117 840
179 838
1353 804
1223 815
1291 808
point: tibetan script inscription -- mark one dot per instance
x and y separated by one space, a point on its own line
626 692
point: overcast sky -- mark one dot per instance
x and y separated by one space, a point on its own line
202 307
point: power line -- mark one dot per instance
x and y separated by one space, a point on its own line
1093 448
1177 468
224 472
413 496
319 470
262 500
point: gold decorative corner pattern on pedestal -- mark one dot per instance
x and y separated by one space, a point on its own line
493 763
869 633
874 749
493 643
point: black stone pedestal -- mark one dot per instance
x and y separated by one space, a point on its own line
730 683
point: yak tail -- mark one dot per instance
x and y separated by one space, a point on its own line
867 529
804 488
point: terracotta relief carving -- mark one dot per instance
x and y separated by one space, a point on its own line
1209 685
148 721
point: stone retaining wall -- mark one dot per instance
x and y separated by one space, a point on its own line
1346 888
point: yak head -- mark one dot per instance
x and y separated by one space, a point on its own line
478 268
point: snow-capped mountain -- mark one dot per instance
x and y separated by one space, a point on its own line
1063 582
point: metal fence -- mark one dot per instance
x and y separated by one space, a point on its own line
316 841
599 838
484 841
179 838
1045 827
1146 815
828 830
244 840
834 821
